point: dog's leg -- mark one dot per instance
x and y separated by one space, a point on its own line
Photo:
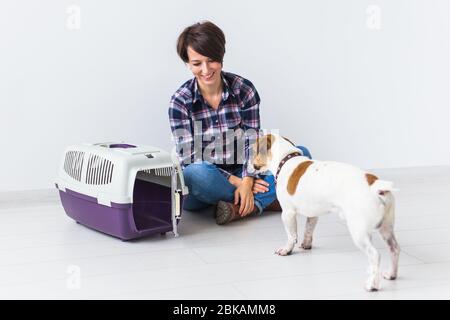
309 229
387 233
363 240
289 218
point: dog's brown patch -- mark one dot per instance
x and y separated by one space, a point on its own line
371 178
296 175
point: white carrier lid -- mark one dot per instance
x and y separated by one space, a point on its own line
125 160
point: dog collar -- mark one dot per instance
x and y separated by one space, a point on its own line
285 159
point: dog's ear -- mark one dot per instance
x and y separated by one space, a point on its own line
265 143
270 141
289 141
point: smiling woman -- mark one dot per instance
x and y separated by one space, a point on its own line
202 47
217 102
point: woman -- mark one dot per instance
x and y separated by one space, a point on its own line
202 113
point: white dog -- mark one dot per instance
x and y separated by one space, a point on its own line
314 188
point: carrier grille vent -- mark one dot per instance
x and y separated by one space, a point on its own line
73 164
163 171
99 170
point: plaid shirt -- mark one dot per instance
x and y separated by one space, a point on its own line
199 130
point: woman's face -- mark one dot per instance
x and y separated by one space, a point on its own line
204 69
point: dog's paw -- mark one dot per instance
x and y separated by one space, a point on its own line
389 276
371 288
372 285
283 252
306 245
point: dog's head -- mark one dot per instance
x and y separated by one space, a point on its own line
266 150
262 152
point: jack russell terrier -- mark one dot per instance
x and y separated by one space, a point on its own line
314 188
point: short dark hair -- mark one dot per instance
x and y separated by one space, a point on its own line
205 38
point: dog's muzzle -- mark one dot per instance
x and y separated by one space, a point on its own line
257 167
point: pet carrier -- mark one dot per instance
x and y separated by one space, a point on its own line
120 189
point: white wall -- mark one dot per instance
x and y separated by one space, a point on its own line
375 98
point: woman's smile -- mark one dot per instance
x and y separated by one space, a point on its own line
208 77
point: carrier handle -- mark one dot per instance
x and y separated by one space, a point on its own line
176 163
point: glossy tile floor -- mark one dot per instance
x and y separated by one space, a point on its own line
44 254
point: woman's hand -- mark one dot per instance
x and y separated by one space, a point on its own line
244 194
259 185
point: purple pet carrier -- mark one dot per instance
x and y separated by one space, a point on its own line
120 189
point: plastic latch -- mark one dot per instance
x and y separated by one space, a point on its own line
104 201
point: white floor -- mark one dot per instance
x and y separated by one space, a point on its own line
44 254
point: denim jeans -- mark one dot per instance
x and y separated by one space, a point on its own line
207 186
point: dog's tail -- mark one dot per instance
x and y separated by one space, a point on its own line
383 190
382 186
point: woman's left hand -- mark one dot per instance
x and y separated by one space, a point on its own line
260 186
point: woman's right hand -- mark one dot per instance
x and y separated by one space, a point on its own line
244 197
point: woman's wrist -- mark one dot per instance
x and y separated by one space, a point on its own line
238 182
235 181
248 180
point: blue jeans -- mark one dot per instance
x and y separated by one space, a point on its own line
207 186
